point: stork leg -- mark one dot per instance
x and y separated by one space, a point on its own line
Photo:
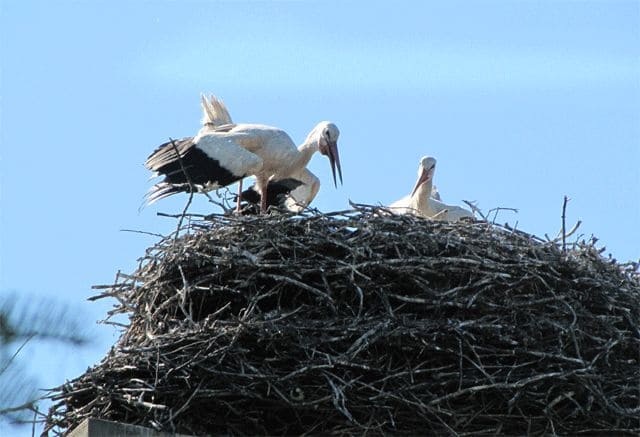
261 185
239 196
263 200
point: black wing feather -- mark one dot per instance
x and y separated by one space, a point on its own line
277 192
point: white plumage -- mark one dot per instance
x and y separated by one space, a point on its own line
435 193
223 153
294 193
420 202
300 197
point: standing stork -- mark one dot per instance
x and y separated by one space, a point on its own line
420 202
224 152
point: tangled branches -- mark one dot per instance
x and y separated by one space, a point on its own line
360 322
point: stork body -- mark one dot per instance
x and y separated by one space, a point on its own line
435 193
302 196
420 202
451 213
223 153
277 194
292 196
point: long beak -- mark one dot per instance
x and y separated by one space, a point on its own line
334 159
425 176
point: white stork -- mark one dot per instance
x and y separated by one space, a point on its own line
223 153
294 193
420 202
277 195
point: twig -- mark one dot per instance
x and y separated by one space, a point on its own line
15 354
191 186
33 424
153 234
164 214
564 234
361 322
475 209
25 406
497 210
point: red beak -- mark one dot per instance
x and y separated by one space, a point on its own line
425 176
334 160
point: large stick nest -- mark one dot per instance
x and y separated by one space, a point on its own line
360 321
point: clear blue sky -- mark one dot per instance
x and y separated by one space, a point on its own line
522 102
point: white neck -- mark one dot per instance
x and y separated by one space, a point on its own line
306 151
421 198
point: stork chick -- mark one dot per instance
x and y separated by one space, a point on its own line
420 202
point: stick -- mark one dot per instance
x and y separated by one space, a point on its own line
191 187
27 340
164 214
239 196
475 209
497 210
142 232
564 233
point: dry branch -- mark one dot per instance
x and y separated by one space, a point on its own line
362 322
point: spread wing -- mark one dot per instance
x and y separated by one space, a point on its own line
199 163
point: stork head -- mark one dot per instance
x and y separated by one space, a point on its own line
425 172
328 134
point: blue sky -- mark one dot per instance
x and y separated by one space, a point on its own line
521 102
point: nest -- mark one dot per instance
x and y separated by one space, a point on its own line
361 322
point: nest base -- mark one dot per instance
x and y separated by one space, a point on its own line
362 322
